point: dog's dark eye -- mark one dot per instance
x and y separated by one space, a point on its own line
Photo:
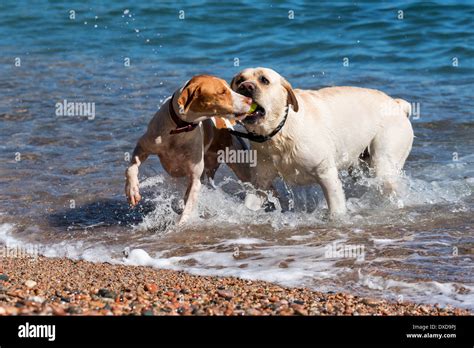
264 80
239 81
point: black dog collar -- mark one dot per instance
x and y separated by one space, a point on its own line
260 138
181 125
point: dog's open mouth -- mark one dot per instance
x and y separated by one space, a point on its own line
255 116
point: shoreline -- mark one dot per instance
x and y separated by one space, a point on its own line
61 286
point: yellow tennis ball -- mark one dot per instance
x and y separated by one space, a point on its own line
253 107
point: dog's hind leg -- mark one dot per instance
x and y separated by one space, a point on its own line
211 165
192 192
131 174
389 150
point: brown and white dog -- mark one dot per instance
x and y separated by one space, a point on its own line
183 137
323 132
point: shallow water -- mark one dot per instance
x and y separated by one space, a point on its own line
65 194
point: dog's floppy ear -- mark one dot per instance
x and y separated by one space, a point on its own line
234 79
291 95
188 94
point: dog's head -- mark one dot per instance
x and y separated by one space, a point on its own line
206 96
269 90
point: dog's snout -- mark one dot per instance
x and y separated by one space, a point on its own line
247 88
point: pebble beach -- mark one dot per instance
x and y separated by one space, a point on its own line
60 286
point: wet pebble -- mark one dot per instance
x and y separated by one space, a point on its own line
151 287
107 293
30 283
371 302
299 309
225 294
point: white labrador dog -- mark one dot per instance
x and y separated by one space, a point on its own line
323 132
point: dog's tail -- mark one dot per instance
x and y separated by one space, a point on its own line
405 106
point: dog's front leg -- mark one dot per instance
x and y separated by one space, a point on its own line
262 179
131 174
333 191
192 192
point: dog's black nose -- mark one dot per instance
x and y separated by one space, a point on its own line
247 88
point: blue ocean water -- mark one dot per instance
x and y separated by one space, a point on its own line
62 177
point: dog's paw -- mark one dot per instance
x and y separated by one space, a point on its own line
133 193
254 202
338 216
